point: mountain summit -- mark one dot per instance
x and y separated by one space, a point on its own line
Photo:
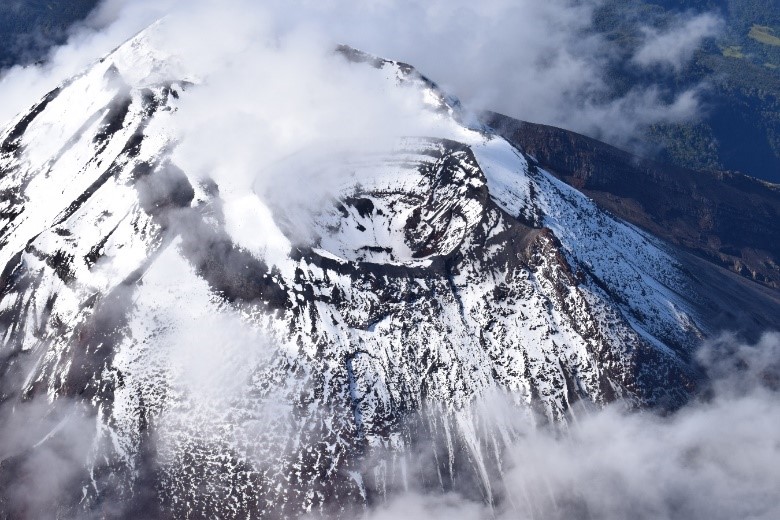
288 349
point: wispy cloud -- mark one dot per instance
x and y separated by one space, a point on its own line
716 458
43 452
674 46
270 88
538 61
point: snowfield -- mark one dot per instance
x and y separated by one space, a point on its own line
290 353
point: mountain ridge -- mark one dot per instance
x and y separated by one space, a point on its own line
725 217
223 380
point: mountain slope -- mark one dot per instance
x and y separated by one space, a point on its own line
223 379
727 218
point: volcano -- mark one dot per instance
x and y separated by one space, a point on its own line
498 258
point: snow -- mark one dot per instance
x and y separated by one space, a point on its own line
458 270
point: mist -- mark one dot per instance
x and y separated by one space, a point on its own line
43 449
674 47
537 61
270 92
716 458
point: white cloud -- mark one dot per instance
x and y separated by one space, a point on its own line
43 454
716 458
675 46
538 61
271 88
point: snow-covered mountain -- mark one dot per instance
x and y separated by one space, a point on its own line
227 377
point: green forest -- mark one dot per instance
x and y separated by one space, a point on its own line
740 129
28 28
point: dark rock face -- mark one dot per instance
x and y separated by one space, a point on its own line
727 218
221 381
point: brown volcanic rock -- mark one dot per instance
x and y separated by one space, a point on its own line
727 218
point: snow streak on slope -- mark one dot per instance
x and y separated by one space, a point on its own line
252 352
